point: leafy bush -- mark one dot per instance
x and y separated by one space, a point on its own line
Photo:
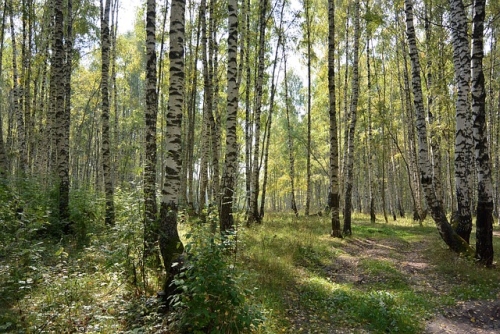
211 298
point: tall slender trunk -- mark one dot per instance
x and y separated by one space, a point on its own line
4 164
371 183
16 92
452 239
433 122
248 116
307 4
349 176
105 148
463 135
207 110
333 191
64 119
484 221
170 243
291 157
214 116
231 158
267 142
192 120
151 112
254 210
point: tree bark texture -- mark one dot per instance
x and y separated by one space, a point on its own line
151 112
463 135
333 193
484 219
105 148
349 171
452 239
231 158
291 156
254 193
170 243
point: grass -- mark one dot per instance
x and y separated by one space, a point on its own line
291 261
304 280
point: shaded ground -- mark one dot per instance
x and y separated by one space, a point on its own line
482 317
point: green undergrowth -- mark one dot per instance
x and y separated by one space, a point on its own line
302 280
92 281
286 275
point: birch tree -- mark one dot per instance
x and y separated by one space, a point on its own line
150 207
308 23
16 97
333 193
484 213
63 113
254 193
452 239
105 109
291 157
4 164
170 243
231 158
349 162
463 135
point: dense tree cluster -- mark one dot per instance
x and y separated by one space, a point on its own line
317 107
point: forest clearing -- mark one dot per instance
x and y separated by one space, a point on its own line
386 278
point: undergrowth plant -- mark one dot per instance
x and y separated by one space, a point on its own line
211 297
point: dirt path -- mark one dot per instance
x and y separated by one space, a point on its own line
479 317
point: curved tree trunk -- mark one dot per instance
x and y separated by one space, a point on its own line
452 239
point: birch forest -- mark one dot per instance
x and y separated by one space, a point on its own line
249 166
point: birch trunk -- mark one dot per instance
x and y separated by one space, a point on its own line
484 220
349 176
105 148
170 243
207 105
16 92
63 116
151 112
254 193
231 158
291 157
463 135
333 193
452 239
4 164
307 5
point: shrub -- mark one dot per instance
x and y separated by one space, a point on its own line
211 298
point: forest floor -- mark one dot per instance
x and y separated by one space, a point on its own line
477 316
474 316
395 277
386 278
